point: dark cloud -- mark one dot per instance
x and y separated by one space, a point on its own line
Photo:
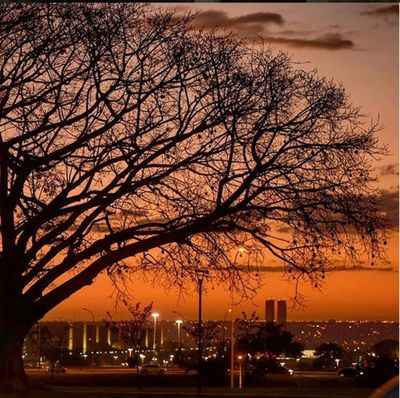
210 19
261 17
330 41
213 19
334 268
390 170
388 203
290 32
382 11
387 206
252 27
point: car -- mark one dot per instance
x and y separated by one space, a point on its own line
377 372
55 368
31 365
152 370
191 372
280 370
348 372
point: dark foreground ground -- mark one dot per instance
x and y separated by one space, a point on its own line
123 383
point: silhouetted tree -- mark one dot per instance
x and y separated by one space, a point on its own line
123 131
327 353
210 332
51 346
132 331
382 364
265 338
388 348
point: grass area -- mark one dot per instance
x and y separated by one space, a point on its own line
125 386
115 392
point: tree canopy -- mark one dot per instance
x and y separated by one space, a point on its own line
126 134
266 338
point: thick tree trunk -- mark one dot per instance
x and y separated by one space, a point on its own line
12 374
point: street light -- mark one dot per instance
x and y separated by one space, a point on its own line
226 359
241 250
240 372
201 273
179 324
155 315
232 350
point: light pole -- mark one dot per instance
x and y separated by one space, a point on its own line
178 325
155 316
232 351
92 340
201 273
226 362
240 372
240 252
39 344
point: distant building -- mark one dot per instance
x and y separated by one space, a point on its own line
269 310
78 339
282 312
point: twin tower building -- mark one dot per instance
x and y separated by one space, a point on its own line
276 313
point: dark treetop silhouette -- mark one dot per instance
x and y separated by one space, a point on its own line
124 130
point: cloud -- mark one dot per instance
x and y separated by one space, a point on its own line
248 24
253 28
335 268
261 17
329 41
210 19
382 11
291 32
389 170
388 204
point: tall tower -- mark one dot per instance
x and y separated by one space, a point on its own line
282 312
97 333
84 337
70 337
269 310
109 335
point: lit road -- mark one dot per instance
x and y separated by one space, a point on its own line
316 374
103 371
174 371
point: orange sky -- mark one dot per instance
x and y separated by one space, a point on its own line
356 44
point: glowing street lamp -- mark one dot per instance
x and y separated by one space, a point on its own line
232 349
179 324
240 371
201 274
155 316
